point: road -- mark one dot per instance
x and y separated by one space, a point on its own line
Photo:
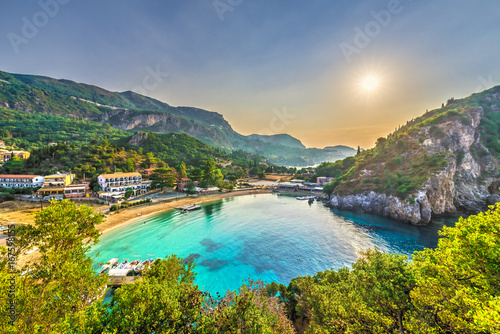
158 196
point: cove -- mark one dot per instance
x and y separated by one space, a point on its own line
267 237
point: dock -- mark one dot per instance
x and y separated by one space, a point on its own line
188 208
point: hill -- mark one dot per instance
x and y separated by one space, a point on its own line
135 112
89 148
444 161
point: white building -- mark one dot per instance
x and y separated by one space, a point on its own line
117 183
21 181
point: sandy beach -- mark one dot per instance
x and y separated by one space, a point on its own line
130 215
123 217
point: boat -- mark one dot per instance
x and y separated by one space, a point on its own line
111 264
188 208
304 198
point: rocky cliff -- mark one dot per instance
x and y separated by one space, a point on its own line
162 122
468 180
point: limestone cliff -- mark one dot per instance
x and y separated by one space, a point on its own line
466 179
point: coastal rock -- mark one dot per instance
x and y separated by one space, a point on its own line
386 206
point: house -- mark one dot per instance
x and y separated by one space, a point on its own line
21 181
148 171
117 183
182 183
292 186
7 155
77 190
322 180
55 184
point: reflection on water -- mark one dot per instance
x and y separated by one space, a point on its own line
268 237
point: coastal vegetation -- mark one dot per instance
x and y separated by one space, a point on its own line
451 289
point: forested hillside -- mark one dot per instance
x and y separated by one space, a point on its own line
443 161
135 112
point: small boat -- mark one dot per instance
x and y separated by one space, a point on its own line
304 198
188 208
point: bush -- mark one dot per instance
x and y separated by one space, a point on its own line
114 207
436 132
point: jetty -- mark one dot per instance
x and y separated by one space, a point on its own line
188 208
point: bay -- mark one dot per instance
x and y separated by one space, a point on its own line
267 237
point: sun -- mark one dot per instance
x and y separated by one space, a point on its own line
370 83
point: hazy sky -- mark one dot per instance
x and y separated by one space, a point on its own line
327 72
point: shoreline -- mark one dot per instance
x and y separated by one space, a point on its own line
129 216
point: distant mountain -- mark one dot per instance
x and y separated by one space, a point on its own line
279 139
444 161
342 149
130 111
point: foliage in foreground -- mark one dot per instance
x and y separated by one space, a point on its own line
451 289
61 293
454 288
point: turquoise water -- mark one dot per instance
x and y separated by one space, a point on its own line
268 237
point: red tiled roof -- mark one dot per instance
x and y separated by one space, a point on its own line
6 176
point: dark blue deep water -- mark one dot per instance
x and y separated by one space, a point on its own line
268 237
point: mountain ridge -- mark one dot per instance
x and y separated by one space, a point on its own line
134 112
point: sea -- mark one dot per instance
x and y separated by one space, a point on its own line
262 237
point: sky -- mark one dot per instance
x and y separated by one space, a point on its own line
341 72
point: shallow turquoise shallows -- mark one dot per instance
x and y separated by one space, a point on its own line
267 237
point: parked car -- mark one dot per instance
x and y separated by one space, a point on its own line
155 196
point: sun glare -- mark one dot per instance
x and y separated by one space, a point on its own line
370 83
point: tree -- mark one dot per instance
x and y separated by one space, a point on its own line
330 187
208 171
162 177
458 289
164 301
150 159
190 188
130 167
129 192
15 165
182 170
62 282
